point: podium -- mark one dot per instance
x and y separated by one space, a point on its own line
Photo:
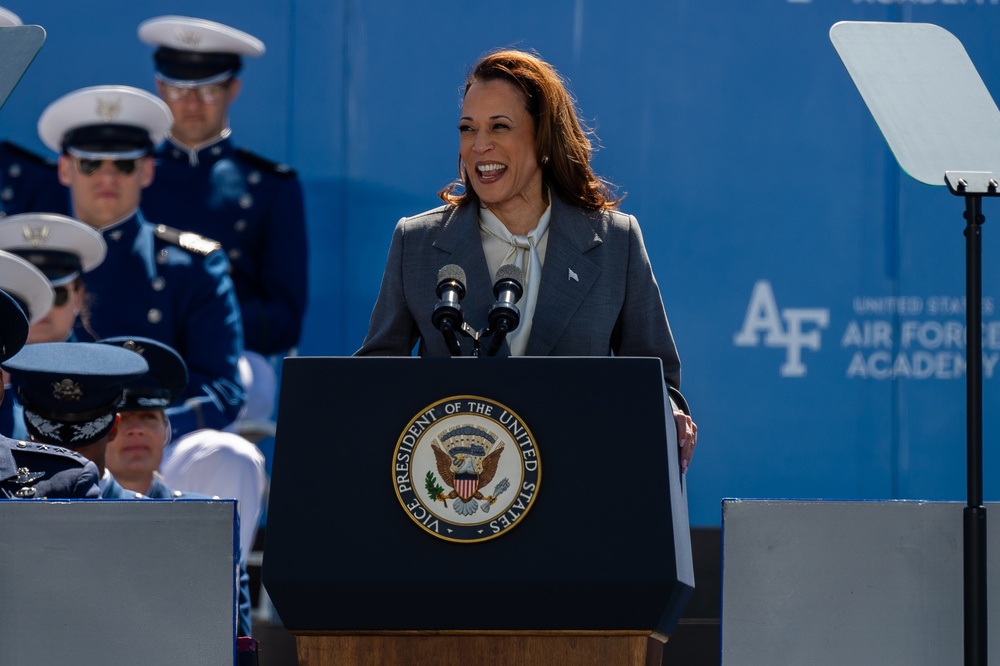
585 558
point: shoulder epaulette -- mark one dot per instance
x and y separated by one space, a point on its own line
187 240
47 449
27 155
264 164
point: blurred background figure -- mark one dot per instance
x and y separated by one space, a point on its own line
161 283
70 393
31 290
62 249
135 450
27 469
252 206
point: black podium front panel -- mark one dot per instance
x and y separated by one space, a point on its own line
605 544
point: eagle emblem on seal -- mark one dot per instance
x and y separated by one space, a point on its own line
467 458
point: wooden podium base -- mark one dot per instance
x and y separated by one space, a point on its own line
549 648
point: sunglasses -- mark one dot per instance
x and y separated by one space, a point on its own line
61 296
89 167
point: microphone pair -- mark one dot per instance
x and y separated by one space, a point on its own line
503 316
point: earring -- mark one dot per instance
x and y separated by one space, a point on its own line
545 160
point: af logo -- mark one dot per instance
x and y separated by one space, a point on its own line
466 469
781 330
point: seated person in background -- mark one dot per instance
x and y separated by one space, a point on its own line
160 283
70 392
134 452
31 470
62 249
33 293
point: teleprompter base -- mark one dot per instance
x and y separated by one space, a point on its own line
544 648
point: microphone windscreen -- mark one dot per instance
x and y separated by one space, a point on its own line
510 272
452 272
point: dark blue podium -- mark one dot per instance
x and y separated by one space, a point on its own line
598 563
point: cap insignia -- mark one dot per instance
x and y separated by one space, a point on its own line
67 389
188 38
37 236
109 110
132 345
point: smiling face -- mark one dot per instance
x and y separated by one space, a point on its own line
497 146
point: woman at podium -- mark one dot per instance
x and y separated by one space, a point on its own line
525 196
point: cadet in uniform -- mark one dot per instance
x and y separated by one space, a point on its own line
63 249
28 181
176 284
135 451
32 291
70 392
29 469
157 282
251 206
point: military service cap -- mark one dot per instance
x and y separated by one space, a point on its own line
194 51
162 384
105 122
59 246
27 285
71 390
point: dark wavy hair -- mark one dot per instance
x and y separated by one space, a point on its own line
562 146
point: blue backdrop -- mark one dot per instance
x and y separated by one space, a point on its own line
815 291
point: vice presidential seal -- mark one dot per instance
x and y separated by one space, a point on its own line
466 469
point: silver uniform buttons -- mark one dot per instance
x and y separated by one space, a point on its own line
161 257
159 283
254 177
15 170
154 316
7 194
234 254
216 150
240 226
246 201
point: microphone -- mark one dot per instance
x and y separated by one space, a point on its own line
503 315
447 316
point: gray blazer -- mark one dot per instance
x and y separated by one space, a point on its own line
597 297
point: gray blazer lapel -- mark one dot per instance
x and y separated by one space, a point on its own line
461 239
567 275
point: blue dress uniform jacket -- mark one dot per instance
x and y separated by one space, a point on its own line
29 183
254 209
160 284
29 470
